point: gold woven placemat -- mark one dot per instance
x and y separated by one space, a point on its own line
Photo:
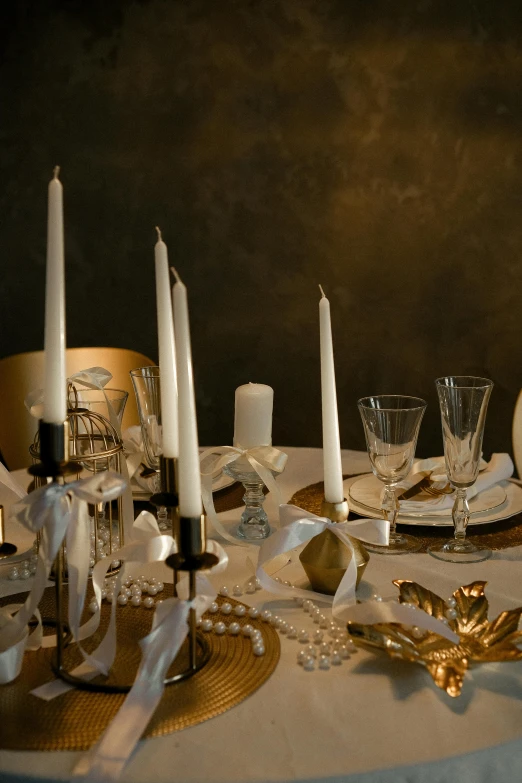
495 535
75 720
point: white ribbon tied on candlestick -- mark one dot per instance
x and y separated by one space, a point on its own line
299 527
148 546
264 460
50 510
94 378
106 760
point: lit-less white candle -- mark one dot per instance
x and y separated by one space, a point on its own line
167 352
188 462
55 390
253 415
333 474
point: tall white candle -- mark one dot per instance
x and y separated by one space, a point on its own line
55 390
253 415
333 474
188 464
167 352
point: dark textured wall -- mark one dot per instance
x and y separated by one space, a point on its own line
373 147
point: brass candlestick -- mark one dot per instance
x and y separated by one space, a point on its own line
325 558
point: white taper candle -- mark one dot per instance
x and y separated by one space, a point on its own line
167 351
333 474
190 504
55 390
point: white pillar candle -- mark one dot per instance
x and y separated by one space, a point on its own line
188 463
167 352
333 474
55 389
253 415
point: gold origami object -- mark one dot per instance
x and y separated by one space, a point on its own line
481 640
325 558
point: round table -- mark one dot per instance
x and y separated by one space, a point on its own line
371 719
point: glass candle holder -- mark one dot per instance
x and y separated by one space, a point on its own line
254 524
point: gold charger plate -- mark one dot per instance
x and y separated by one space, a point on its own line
500 533
75 720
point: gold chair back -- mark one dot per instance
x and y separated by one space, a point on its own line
24 372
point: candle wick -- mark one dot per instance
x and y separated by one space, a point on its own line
322 292
159 234
56 171
178 278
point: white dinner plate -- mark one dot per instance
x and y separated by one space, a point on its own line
367 491
490 508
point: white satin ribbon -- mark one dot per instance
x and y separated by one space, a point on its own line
8 481
11 659
148 546
50 509
95 378
262 459
134 452
299 527
106 760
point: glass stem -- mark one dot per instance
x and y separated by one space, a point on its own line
253 499
390 507
460 514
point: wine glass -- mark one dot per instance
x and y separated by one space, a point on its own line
146 383
391 426
463 404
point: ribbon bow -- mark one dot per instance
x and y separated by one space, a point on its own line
300 526
264 460
92 378
50 509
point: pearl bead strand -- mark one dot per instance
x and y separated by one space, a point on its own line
134 591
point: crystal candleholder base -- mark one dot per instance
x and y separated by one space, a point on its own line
254 521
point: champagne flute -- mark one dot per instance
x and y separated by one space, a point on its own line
463 401
391 427
146 383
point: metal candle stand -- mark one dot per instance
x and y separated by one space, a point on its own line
190 536
191 542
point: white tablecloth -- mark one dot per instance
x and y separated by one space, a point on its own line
372 719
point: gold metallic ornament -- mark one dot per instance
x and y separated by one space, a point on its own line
325 558
481 640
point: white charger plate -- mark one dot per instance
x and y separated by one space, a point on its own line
486 507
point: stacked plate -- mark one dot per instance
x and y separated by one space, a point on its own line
501 501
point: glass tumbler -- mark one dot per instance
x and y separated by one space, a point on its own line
391 427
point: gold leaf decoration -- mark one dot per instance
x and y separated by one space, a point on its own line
481 640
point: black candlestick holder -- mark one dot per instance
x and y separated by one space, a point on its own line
190 536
